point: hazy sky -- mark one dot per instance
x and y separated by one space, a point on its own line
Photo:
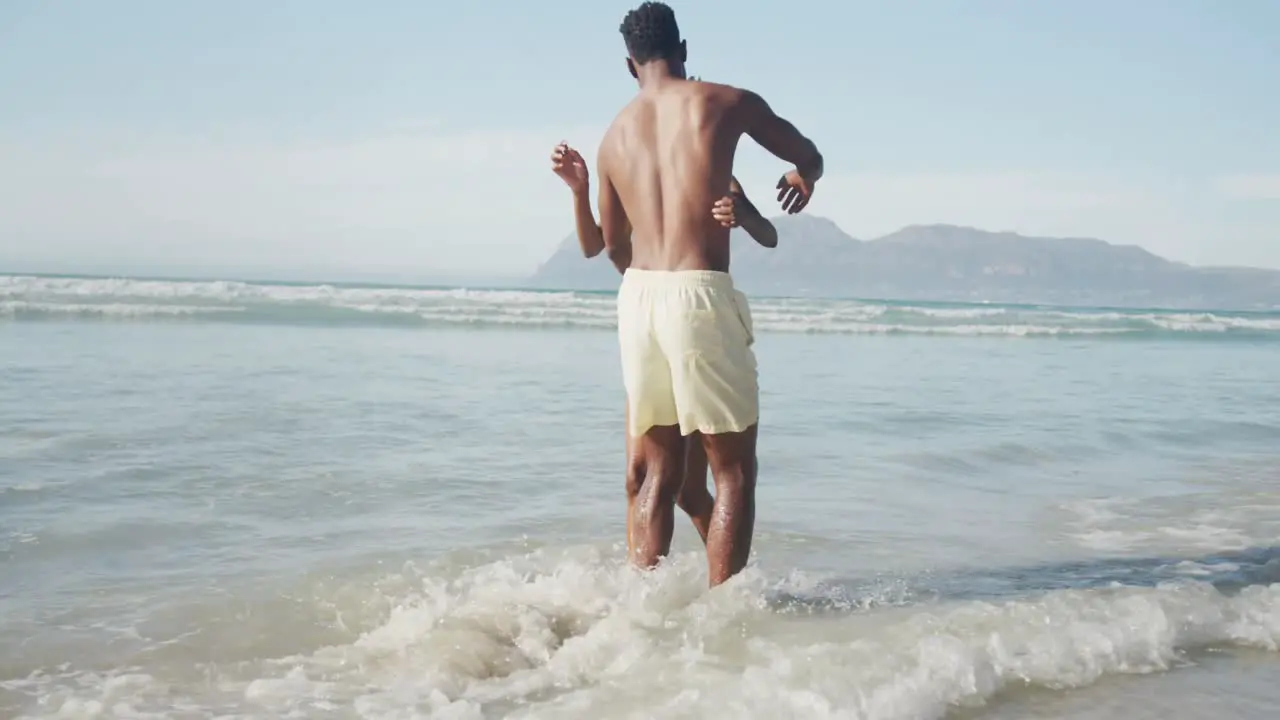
413 135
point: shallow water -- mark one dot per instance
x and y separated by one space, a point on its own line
300 516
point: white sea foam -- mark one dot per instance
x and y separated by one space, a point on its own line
25 297
1182 524
13 308
571 634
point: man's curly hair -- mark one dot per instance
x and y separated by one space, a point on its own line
651 33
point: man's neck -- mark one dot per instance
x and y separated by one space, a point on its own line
656 72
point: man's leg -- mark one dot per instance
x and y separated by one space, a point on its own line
655 452
717 393
662 449
732 457
694 498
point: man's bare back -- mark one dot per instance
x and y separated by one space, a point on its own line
668 156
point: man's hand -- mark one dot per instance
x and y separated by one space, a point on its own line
783 140
794 191
725 211
568 164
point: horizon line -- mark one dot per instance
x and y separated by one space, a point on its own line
357 284
175 271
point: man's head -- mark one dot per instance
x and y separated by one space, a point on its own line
652 35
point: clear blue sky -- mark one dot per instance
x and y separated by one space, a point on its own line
404 134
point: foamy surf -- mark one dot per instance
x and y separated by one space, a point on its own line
49 298
1193 523
573 634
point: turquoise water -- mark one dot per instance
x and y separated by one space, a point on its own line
261 501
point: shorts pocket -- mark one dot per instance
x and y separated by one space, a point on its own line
701 331
744 315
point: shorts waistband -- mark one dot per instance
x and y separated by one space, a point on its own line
710 279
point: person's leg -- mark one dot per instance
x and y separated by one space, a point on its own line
655 448
662 449
732 457
694 497
634 479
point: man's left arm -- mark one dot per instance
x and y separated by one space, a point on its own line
750 219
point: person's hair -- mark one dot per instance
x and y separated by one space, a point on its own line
651 33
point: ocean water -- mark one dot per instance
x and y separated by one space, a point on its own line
229 500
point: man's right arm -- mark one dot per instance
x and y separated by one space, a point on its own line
779 136
615 226
590 239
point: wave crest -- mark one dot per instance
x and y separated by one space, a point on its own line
573 633
49 298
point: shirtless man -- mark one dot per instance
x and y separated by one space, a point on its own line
732 210
683 328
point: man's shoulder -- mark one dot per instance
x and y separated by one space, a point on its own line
719 91
623 117
619 120
609 142
727 97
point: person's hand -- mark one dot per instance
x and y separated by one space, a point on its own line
569 166
725 211
794 191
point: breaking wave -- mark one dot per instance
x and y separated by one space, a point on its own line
572 634
49 298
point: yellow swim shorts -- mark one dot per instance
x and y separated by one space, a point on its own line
687 359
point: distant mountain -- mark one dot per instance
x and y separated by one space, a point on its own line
949 263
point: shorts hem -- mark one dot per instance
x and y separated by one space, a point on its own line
718 428
705 429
